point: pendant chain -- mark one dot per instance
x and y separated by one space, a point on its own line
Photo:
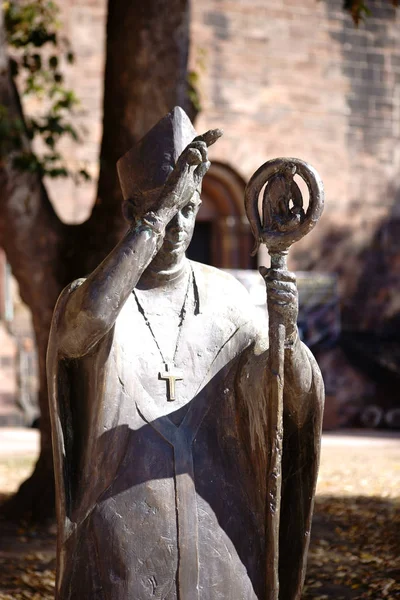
182 316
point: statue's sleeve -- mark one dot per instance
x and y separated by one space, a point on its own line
59 388
300 460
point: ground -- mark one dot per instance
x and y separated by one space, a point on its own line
355 544
355 541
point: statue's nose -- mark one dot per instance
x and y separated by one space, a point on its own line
176 223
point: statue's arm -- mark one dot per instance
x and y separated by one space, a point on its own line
301 372
303 390
303 401
92 307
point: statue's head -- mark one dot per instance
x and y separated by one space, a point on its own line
143 171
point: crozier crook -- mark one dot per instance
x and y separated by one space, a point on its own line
283 223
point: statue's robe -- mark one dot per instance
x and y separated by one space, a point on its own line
147 504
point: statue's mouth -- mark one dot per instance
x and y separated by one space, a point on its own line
175 242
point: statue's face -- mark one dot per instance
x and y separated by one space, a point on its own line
178 233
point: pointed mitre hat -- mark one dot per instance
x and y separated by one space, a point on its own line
146 166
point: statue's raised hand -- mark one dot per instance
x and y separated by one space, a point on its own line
161 205
187 176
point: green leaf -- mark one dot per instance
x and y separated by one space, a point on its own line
358 9
31 27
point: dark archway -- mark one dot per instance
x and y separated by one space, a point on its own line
222 236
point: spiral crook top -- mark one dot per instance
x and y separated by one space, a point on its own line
282 224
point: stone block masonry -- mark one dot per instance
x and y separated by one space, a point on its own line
292 78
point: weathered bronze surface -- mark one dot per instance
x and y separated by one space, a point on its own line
161 396
282 225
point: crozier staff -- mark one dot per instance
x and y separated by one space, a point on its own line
284 222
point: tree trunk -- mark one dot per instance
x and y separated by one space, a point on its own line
30 233
146 71
145 77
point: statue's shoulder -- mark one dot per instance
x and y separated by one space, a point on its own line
71 287
219 287
222 296
62 300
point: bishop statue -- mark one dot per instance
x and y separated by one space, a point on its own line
159 389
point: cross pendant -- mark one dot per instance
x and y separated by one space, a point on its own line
171 374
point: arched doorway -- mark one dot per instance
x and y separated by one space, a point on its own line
222 236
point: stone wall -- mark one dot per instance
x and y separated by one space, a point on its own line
296 78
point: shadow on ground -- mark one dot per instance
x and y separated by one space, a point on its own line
355 549
27 560
354 553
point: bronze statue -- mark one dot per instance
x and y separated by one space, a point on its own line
160 393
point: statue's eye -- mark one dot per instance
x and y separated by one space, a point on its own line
188 210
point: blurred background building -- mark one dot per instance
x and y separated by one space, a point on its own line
284 78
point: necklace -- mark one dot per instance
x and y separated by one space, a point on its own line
170 373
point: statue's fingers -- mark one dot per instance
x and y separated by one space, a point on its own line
200 171
200 146
281 297
193 157
285 286
210 136
288 295
281 275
